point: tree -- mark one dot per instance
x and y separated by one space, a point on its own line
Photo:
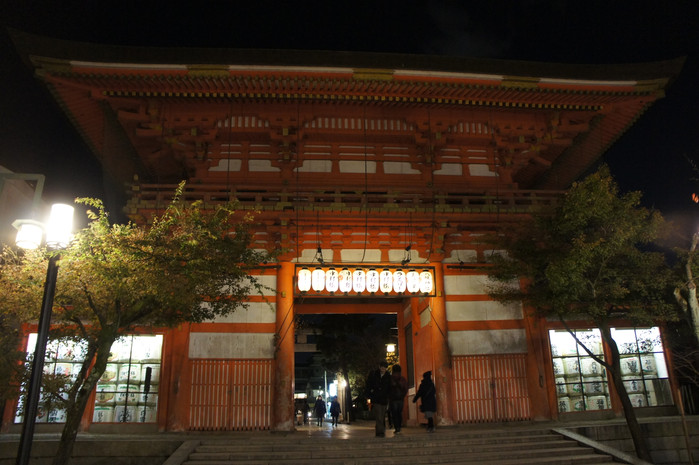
352 345
190 264
686 290
589 258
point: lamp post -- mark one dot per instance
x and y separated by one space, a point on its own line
29 235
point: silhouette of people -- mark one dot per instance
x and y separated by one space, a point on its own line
428 394
378 388
319 410
335 410
399 389
304 410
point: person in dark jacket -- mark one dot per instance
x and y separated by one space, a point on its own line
335 410
428 394
378 389
319 410
399 388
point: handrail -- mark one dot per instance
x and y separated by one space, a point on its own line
157 196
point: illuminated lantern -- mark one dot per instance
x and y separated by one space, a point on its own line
358 280
345 280
318 279
426 283
399 283
412 278
331 280
386 281
372 280
304 279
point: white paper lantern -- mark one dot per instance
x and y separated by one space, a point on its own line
412 281
304 280
426 282
359 280
399 283
372 281
318 279
345 280
331 280
386 281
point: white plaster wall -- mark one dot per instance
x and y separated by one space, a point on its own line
357 166
262 165
478 169
469 284
228 164
483 310
465 284
450 169
257 312
269 281
360 255
462 255
397 255
399 167
231 345
500 341
316 166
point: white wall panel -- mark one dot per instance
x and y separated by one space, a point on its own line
469 284
483 310
231 345
257 312
496 341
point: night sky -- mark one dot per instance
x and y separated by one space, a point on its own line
653 156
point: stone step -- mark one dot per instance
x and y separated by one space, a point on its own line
368 450
580 459
532 441
508 448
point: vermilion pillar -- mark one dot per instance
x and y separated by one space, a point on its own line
283 401
440 350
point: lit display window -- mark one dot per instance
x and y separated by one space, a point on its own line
62 359
581 382
643 367
126 392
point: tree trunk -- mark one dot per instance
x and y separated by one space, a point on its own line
639 441
692 302
347 408
75 412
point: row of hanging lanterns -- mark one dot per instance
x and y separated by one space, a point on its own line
359 281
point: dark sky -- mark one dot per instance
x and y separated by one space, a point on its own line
652 156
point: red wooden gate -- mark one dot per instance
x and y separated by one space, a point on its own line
231 395
490 388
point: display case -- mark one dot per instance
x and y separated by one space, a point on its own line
643 367
581 381
127 392
62 359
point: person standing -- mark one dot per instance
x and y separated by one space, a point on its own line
378 388
304 410
428 394
319 410
399 388
335 410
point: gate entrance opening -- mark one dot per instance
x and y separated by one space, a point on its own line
337 343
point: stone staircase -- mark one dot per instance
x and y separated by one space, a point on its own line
446 446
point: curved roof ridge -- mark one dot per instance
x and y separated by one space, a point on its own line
32 45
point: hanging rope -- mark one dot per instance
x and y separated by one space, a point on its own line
366 186
432 187
229 121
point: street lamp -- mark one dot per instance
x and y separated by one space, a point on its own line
29 236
